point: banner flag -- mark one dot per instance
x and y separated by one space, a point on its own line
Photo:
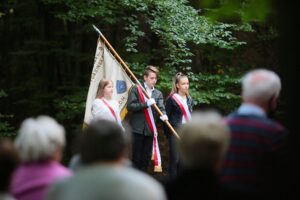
106 66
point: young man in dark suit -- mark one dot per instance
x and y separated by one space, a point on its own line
142 133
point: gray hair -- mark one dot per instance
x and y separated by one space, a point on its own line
39 138
261 85
204 140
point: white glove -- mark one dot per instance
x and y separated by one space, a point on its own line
150 102
164 117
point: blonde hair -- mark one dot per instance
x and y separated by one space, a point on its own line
204 140
176 80
102 84
149 69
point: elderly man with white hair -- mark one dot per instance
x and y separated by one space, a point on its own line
39 144
257 142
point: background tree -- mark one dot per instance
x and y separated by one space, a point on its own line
47 50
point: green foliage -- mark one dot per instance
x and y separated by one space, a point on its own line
244 10
220 90
174 23
6 130
174 26
137 68
47 50
71 108
165 79
133 28
2 94
79 10
271 34
43 54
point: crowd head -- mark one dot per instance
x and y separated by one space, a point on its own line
260 85
40 138
204 141
103 141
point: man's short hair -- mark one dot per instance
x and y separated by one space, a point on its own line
204 140
149 69
102 141
261 85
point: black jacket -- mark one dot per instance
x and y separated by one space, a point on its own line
137 120
174 113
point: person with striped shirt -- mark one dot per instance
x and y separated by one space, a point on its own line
258 143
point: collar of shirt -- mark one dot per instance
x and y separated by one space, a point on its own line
248 109
149 90
184 100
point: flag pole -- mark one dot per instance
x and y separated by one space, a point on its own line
112 50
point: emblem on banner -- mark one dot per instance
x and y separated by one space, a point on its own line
121 86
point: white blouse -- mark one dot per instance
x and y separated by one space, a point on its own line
101 111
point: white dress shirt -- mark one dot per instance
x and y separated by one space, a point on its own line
149 90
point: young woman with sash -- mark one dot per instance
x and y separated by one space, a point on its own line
178 108
104 107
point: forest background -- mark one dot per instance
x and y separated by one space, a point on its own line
47 50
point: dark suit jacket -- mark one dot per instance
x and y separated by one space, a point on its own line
138 121
174 113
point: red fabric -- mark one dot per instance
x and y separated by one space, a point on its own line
141 95
181 108
111 109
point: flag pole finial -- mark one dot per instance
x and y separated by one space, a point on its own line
96 29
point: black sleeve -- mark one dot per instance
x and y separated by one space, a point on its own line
133 103
160 103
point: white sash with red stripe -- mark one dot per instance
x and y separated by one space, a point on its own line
112 111
183 107
151 123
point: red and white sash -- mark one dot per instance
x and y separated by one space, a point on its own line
183 107
151 123
112 111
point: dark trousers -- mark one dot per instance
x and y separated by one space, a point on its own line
141 151
173 157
